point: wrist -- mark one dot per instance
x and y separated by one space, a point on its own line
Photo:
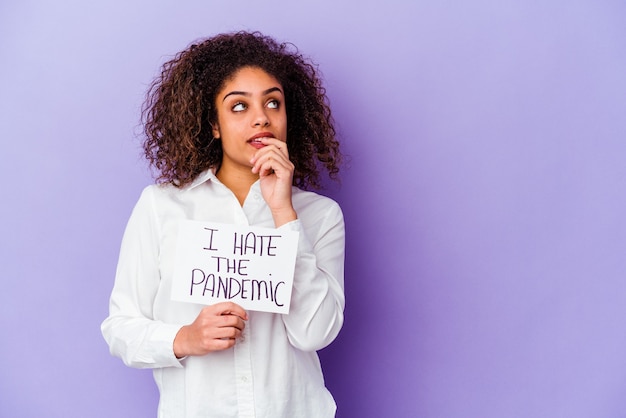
178 345
283 216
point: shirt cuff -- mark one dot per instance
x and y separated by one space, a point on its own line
163 339
304 245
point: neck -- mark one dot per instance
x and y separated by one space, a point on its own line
238 181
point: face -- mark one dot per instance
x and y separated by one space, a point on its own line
251 105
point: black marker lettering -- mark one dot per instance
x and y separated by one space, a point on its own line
210 247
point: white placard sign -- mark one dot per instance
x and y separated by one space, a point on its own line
250 266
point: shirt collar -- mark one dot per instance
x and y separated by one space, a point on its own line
202 177
209 175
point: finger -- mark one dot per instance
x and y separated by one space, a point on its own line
277 144
230 333
230 308
231 321
272 146
262 157
267 166
273 164
222 344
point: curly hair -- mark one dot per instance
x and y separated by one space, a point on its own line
180 108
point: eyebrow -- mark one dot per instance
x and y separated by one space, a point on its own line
244 93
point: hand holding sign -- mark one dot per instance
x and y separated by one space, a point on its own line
217 327
250 266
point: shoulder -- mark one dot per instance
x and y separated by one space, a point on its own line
304 197
159 193
313 205
156 200
168 191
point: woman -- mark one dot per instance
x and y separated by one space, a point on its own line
237 126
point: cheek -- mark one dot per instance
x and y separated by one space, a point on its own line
227 127
284 127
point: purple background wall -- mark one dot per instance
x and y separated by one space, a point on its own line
484 199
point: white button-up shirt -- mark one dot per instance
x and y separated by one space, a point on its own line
273 370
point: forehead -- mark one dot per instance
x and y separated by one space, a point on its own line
249 80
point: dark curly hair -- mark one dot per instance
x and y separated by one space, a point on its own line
180 108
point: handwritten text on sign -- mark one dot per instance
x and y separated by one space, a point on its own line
250 266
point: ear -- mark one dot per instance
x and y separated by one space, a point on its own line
215 130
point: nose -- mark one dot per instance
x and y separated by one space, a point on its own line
260 118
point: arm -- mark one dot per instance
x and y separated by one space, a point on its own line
317 300
130 330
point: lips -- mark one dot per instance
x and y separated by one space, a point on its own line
255 140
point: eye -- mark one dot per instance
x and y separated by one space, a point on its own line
239 107
273 104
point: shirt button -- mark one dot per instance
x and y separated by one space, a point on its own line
244 379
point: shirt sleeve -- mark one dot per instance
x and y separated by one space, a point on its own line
130 329
317 300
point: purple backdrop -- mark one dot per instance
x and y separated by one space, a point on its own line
484 198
